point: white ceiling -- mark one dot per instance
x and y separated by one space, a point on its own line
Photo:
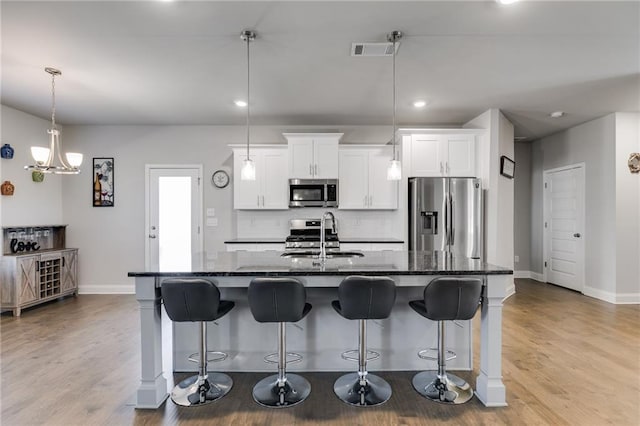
153 62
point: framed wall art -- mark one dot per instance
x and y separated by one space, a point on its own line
507 167
103 195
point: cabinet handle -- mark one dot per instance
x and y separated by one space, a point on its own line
263 201
37 265
441 168
151 236
310 170
63 262
447 167
370 200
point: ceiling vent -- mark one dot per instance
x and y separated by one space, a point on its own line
373 49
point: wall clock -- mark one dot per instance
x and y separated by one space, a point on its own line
220 178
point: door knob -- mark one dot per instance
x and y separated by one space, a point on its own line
151 236
577 235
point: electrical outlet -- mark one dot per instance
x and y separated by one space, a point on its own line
517 258
212 221
211 211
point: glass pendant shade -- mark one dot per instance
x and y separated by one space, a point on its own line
394 172
40 154
74 159
248 171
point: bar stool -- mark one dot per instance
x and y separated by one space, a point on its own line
197 300
279 300
446 299
363 298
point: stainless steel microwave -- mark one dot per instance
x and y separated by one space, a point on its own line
313 192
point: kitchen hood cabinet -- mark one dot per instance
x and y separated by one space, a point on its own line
269 190
313 155
363 180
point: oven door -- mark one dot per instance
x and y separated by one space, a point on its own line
306 193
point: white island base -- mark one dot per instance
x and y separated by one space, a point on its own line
320 337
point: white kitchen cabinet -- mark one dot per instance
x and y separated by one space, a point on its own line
269 191
313 155
363 179
442 155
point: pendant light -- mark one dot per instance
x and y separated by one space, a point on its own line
45 157
248 171
394 172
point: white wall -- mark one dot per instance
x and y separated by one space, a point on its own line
32 203
522 207
498 200
111 240
591 143
627 137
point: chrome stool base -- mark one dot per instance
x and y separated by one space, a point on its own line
269 394
200 390
451 390
376 391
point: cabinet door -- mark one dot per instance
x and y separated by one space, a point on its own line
460 155
383 193
27 279
353 192
427 156
274 178
300 158
325 155
246 193
69 270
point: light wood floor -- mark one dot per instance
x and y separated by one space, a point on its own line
568 359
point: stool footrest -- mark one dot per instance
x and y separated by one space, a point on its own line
424 354
371 355
218 356
292 358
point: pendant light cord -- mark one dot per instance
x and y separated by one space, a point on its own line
248 93
53 101
393 130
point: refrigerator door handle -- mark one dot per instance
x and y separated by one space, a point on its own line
452 229
445 209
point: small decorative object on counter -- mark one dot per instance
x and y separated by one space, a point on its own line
37 176
6 151
634 162
7 188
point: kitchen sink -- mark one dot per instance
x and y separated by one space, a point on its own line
316 254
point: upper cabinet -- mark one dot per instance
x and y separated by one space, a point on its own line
269 190
363 179
313 155
442 155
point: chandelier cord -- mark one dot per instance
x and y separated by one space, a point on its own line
53 100
248 93
393 135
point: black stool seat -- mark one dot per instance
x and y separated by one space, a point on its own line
197 300
446 299
279 300
362 298
193 299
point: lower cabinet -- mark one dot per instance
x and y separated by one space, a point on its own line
31 279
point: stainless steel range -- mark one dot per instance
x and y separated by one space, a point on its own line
304 234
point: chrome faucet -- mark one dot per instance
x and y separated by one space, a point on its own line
323 227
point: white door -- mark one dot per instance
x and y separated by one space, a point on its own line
325 156
246 193
353 192
174 216
300 158
460 155
274 177
564 226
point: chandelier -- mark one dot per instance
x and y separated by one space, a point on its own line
45 157
394 172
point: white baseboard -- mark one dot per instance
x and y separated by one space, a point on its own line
608 296
529 275
510 291
106 289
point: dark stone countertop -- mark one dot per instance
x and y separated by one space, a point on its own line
346 240
373 263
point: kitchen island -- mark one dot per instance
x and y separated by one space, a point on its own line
322 335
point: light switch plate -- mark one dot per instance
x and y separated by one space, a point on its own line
211 211
212 221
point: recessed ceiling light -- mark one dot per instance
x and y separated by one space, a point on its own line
240 103
506 1
419 104
556 114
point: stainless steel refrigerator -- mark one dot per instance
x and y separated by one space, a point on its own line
446 214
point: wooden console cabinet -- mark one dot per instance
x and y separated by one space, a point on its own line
36 276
